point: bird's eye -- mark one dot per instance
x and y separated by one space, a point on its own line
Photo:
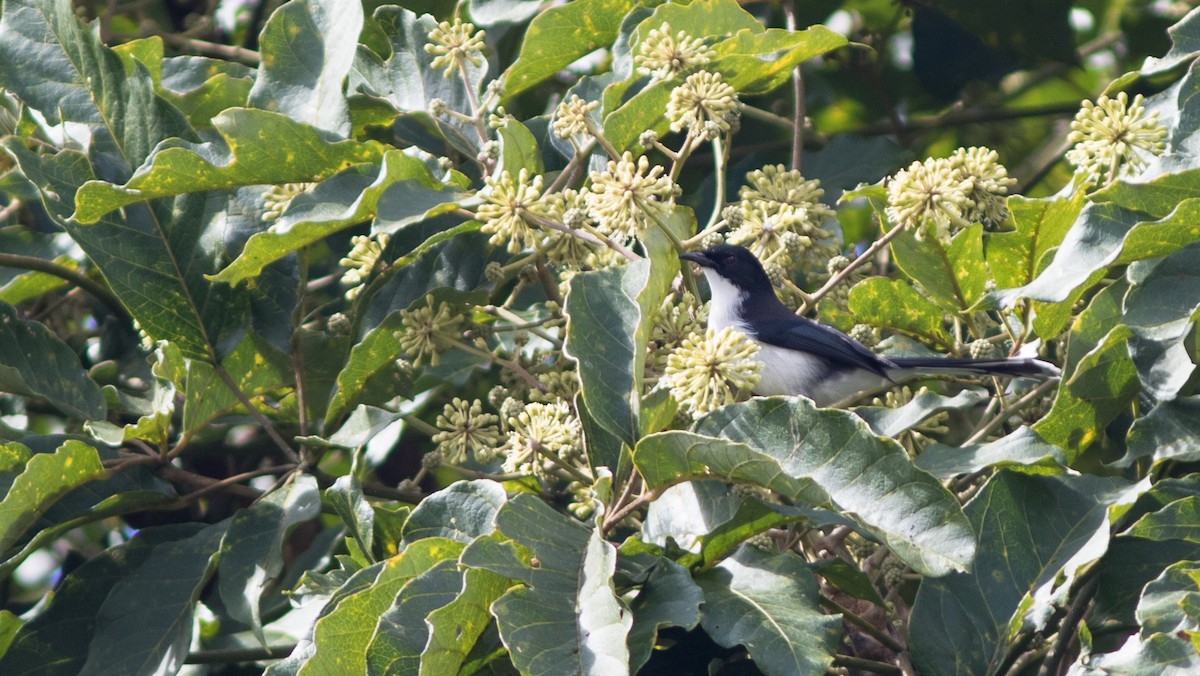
729 260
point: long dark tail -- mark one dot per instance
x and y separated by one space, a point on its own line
1018 368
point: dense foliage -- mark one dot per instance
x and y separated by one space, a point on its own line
344 339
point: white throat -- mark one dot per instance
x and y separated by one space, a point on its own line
726 301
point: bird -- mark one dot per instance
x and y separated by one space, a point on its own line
803 357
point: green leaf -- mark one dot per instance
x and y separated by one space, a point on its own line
668 598
455 627
58 67
1170 431
346 498
758 61
603 315
307 47
1179 520
145 624
1169 603
568 619
518 150
154 257
768 603
57 640
371 361
36 363
45 478
952 276
342 636
1156 654
1100 388
1160 308
462 511
201 87
400 190
868 476
890 422
894 304
964 623
254 366
1021 451
558 36
1016 258
688 511
401 633
252 550
256 147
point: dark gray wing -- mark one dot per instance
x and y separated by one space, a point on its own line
798 333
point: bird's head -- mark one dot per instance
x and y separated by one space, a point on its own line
734 265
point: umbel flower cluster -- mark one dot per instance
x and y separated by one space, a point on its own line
595 215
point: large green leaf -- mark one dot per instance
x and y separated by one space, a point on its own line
401 633
559 36
568 619
36 363
1160 309
154 257
399 190
894 304
1178 520
255 367
868 476
768 603
57 640
252 550
307 47
61 69
1171 430
145 624
602 318
341 637
964 623
45 478
462 511
454 628
1023 451
255 147
668 598
1017 257
953 275
890 422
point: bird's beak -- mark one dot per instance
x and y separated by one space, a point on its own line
696 257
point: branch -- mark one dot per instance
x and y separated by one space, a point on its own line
810 303
859 622
288 452
84 282
238 655
789 17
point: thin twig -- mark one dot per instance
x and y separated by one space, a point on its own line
287 450
206 48
789 18
611 520
873 631
1066 630
511 365
865 664
811 302
99 291
239 655
1007 411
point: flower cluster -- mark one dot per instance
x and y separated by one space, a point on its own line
541 437
675 320
941 196
453 44
360 261
930 196
780 216
467 429
989 184
278 197
1110 135
661 55
511 205
628 195
570 118
712 370
702 102
428 330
